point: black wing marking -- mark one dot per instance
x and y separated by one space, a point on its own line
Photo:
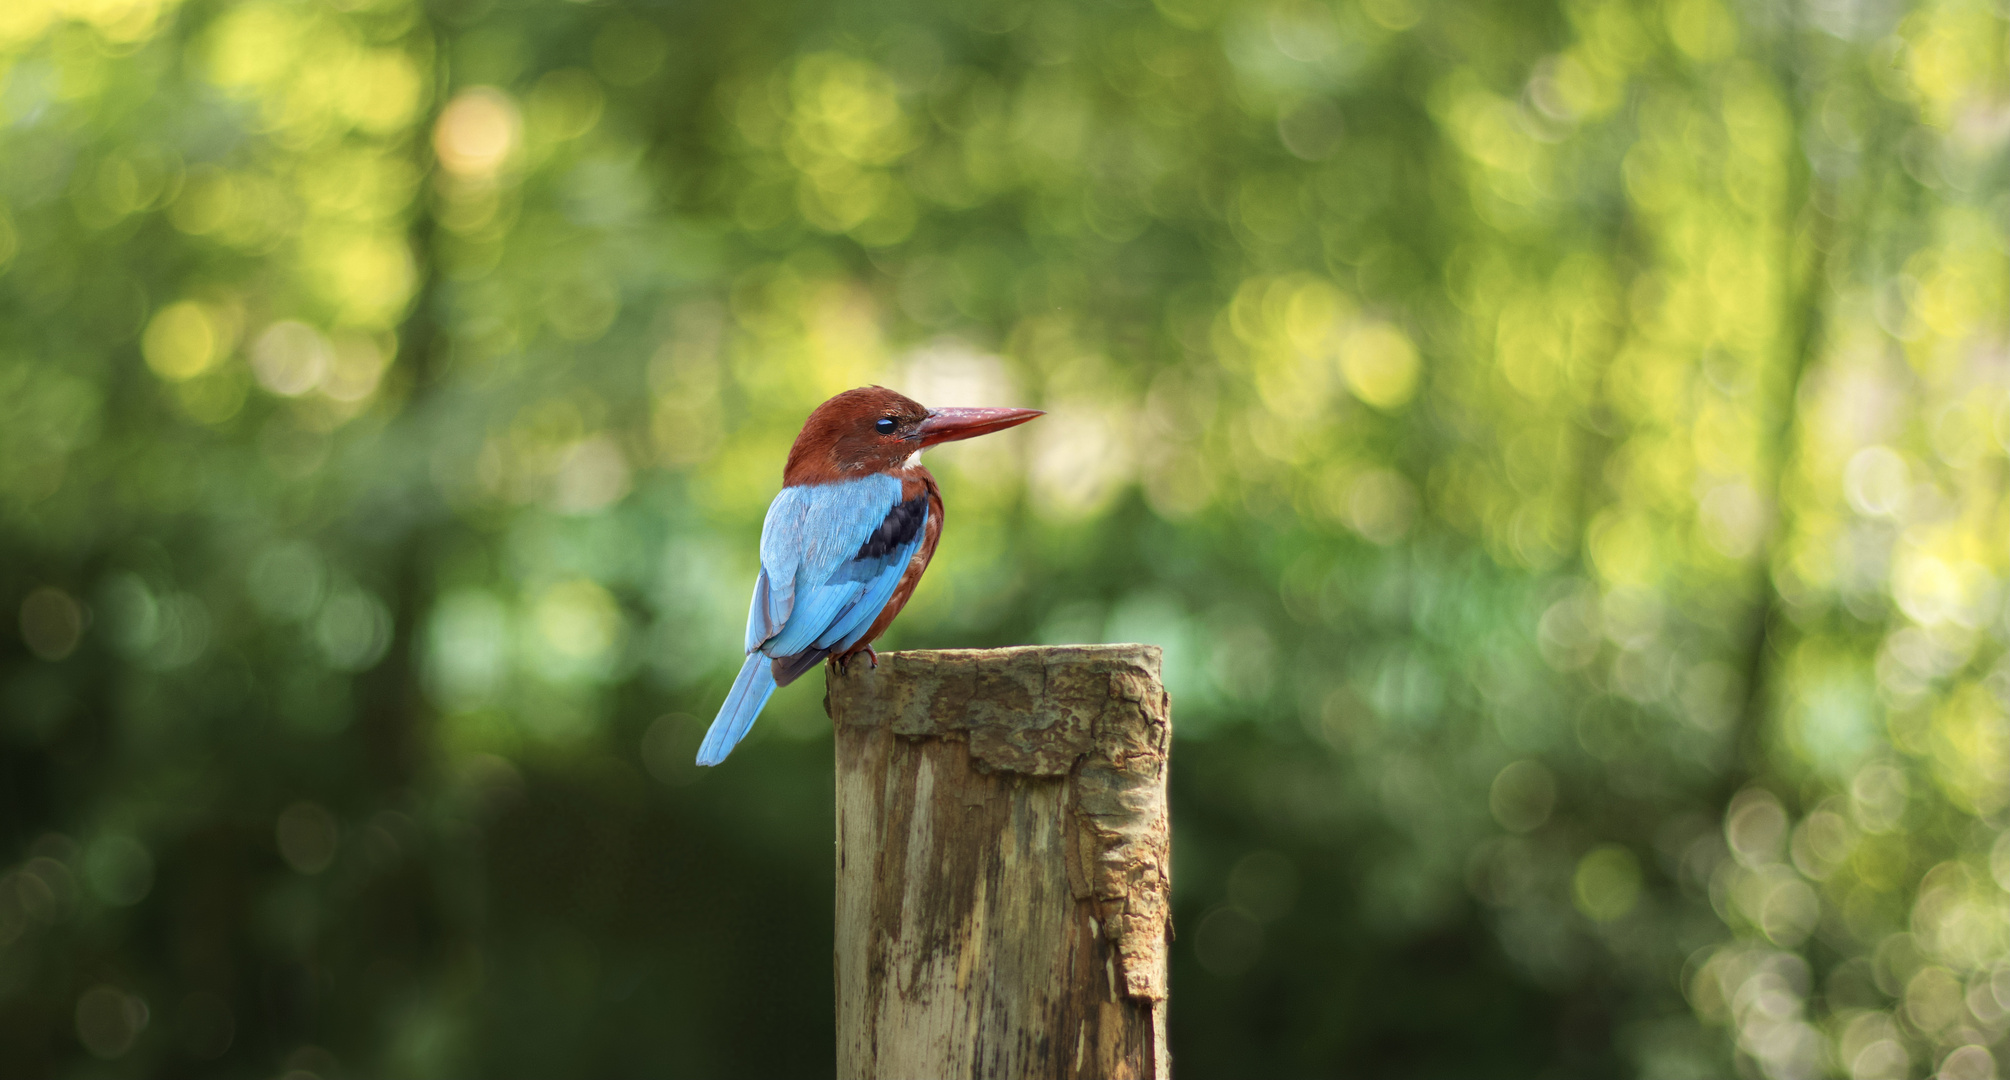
898 528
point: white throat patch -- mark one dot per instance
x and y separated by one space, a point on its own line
913 460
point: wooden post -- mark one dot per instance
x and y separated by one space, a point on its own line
1003 864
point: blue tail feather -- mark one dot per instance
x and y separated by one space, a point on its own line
743 703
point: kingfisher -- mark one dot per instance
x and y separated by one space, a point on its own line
845 542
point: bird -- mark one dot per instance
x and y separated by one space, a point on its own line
844 543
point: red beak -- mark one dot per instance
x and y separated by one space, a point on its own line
949 425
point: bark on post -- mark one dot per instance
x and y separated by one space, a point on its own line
1003 871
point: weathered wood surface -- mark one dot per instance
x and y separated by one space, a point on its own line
1003 864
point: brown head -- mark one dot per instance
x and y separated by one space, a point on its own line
875 430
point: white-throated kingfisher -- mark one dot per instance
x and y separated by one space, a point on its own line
845 542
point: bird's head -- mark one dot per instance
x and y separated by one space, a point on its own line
874 430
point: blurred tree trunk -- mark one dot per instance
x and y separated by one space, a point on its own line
1807 234
395 710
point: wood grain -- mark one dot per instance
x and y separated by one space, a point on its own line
1003 864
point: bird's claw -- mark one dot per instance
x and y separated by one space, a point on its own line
843 663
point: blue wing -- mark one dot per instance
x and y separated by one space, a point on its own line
831 557
809 532
875 572
842 549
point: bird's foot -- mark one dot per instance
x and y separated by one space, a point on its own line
843 663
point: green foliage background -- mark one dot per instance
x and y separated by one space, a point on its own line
1561 447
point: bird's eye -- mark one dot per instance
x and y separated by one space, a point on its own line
885 425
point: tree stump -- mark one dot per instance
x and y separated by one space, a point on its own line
1003 864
